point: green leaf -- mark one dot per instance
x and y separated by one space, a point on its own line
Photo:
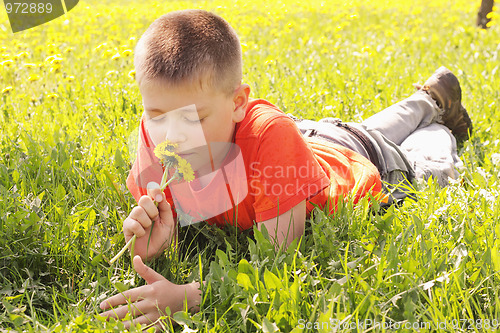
15 176
97 259
245 267
272 281
244 281
121 287
268 326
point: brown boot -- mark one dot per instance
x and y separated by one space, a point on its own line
444 88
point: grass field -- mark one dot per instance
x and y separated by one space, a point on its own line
69 107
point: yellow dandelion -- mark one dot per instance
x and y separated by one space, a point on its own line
490 24
30 65
107 54
165 153
52 96
54 59
127 52
100 46
7 63
131 74
116 56
55 69
68 50
185 170
23 54
34 77
7 89
111 73
70 78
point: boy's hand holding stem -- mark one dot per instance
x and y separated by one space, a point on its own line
141 220
149 301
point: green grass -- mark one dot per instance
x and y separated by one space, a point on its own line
64 161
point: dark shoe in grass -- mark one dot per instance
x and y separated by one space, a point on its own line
444 88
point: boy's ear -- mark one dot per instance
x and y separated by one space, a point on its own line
240 101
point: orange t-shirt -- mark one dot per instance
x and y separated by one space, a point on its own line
282 169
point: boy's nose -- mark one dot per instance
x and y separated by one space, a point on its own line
175 134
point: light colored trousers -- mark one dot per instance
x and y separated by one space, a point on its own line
411 125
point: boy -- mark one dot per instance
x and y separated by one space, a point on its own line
252 162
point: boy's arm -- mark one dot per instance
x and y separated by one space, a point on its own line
284 228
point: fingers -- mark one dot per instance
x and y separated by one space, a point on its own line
135 309
154 192
141 216
131 295
147 204
148 274
136 222
165 210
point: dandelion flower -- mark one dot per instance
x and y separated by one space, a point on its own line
116 56
54 59
185 170
55 69
34 77
52 96
6 89
131 74
107 53
57 60
127 52
23 54
100 46
7 63
165 153
30 65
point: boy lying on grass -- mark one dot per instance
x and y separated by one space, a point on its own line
254 164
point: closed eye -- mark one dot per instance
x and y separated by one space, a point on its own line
158 118
193 121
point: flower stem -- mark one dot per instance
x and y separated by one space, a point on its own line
119 254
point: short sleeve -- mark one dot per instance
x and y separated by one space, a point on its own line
285 171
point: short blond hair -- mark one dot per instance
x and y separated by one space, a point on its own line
190 46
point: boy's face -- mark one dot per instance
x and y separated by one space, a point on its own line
200 121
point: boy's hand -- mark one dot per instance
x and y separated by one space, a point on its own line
140 222
148 303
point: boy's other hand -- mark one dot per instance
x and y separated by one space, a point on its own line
140 222
147 303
